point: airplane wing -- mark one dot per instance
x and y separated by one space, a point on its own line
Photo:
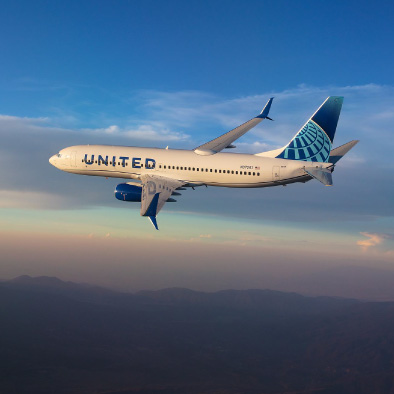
156 191
225 140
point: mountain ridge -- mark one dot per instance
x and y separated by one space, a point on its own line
58 337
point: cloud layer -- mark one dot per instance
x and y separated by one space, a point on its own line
186 119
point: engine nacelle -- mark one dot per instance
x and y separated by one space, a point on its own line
127 192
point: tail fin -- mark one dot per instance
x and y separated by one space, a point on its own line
313 142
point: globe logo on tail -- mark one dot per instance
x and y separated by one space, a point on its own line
310 144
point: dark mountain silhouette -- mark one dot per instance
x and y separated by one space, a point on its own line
55 286
69 338
350 281
269 300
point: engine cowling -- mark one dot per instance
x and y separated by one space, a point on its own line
127 192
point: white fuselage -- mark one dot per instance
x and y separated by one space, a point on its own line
220 169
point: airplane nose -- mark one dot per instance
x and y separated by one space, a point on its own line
52 160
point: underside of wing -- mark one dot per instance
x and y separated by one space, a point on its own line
156 191
226 140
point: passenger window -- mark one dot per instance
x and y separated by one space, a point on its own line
250 173
198 169
236 172
210 170
177 168
193 168
216 170
220 171
228 171
254 174
258 174
232 172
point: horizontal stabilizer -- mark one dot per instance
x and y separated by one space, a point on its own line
321 174
337 153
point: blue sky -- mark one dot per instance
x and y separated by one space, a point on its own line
93 51
178 73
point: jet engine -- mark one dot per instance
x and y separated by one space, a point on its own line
128 192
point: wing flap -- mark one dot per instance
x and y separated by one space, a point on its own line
156 191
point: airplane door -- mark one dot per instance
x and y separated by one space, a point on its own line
276 173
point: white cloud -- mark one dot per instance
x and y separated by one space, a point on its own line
12 119
255 147
111 129
205 235
29 199
144 132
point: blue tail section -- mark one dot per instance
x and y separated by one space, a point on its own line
313 142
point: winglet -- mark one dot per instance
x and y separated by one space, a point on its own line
152 209
154 221
264 113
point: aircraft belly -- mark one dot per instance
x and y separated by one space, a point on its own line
104 173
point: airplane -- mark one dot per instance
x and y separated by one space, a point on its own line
159 174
